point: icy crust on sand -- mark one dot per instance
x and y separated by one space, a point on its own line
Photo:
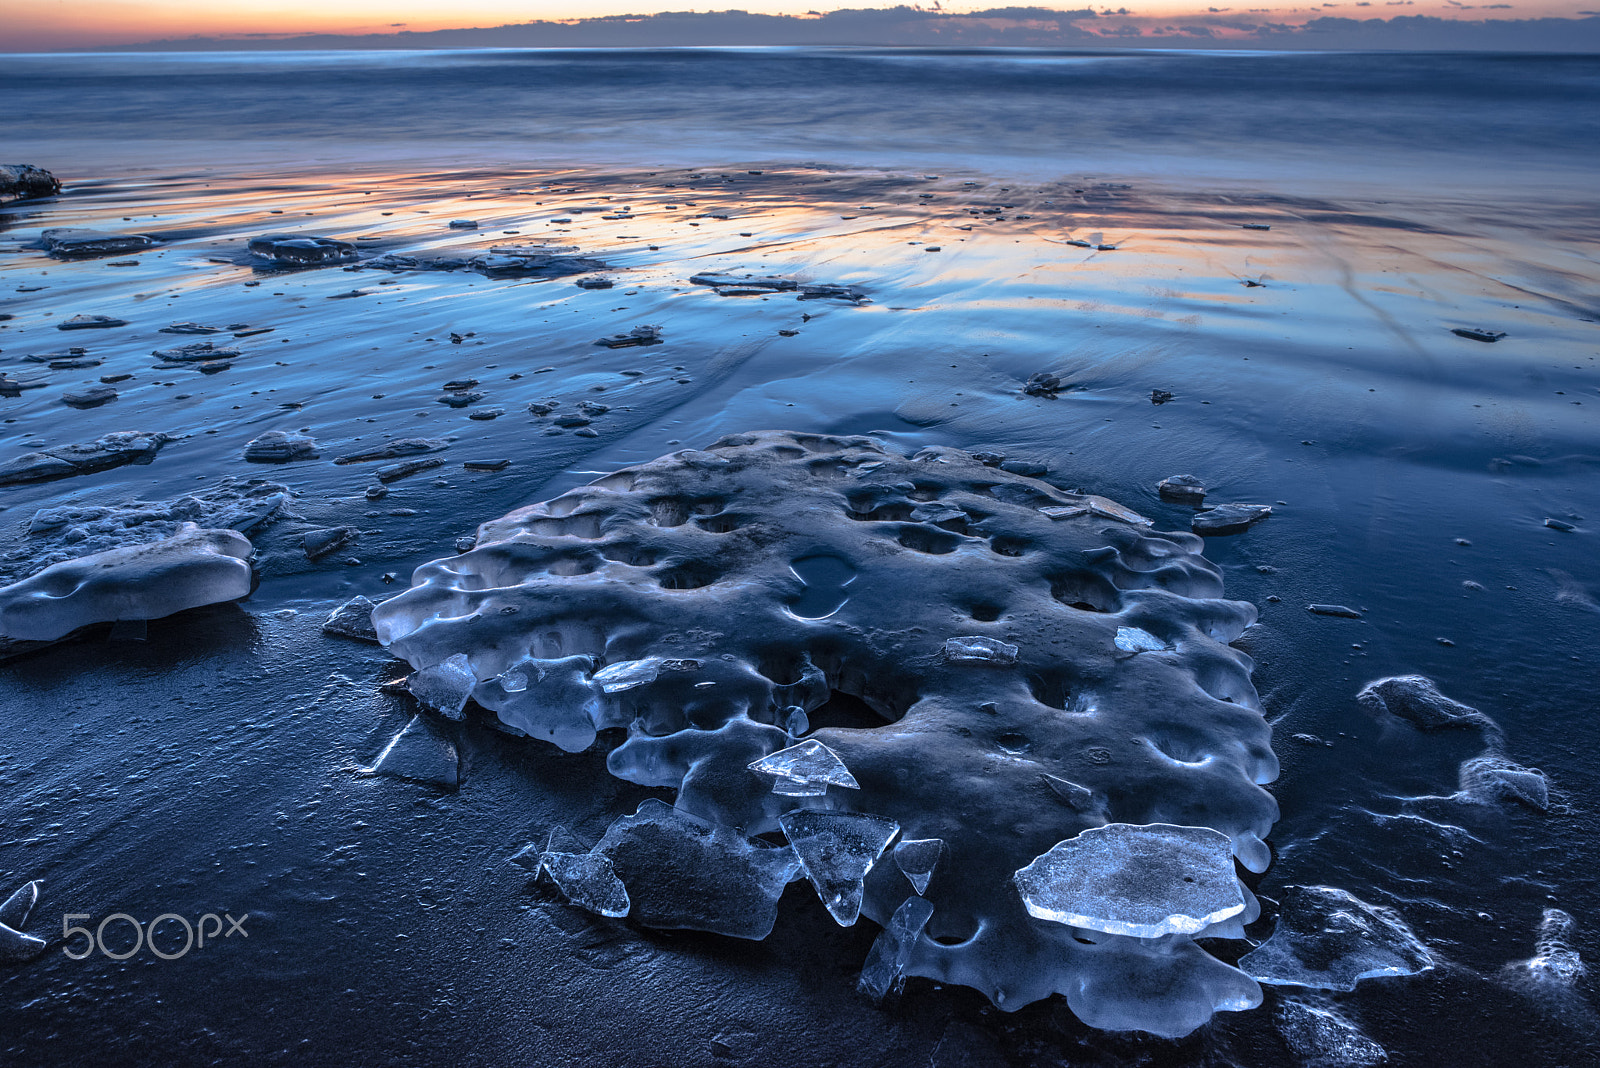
710 600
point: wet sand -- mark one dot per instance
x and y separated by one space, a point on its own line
216 762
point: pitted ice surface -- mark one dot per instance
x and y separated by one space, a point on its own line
778 578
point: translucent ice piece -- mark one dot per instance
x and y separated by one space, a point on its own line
1416 698
916 858
1077 797
685 873
1555 961
1328 939
589 881
1143 881
979 650
885 969
15 946
1489 779
836 850
805 770
444 687
1134 640
553 700
1321 1037
614 678
419 753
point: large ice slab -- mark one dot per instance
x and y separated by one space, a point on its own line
836 850
686 873
192 568
1131 880
1329 939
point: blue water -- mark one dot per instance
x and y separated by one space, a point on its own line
1476 119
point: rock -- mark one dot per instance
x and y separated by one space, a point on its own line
21 181
456 385
301 250
486 414
90 322
1043 384
1478 334
112 450
319 543
353 619
280 447
405 468
1182 489
1224 519
831 292
70 243
395 449
92 397
463 224
1333 610
1561 525
1159 396
1256 226
149 581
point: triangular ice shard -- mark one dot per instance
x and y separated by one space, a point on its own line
1143 881
421 754
916 859
836 851
885 969
805 770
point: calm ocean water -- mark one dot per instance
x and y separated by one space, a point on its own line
1475 119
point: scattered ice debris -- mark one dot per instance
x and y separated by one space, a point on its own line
405 469
1328 939
1141 881
589 881
979 650
22 181
1337 610
71 243
1492 779
463 224
90 322
419 753
1415 698
394 449
916 858
445 687
319 543
884 972
280 447
614 678
1158 396
301 250
1555 960
353 619
17 947
1134 640
804 770
501 261
836 850
683 872
197 352
1226 519
1182 489
1473 333
639 335
89 397
1322 1037
112 450
146 581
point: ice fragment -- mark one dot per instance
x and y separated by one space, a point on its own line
805 770
1328 939
979 650
916 858
614 678
885 969
1134 640
420 754
836 850
444 687
589 881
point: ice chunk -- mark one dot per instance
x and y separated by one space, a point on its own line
421 754
1182 489
72 243
589 881
193 567
353 619
1134 640
301 250
979 650
1110 509
1555 961
1321 1037
685 873
1490 779
1142 881
1328 939
554 700
112 450
1415 698
280 447
1224 519
805 770
836 850
15 946
1078 797
444 687
614 678
916 858
885 970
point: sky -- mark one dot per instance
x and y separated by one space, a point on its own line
36 25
